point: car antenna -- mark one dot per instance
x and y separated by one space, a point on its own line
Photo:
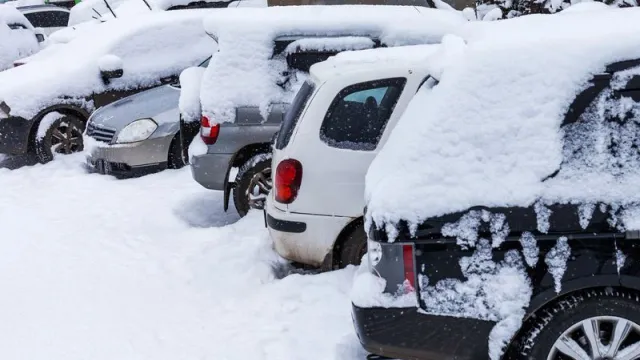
149 6
110 9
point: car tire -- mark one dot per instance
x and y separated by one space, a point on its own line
577 312
253 184
353 248
175 160
62 136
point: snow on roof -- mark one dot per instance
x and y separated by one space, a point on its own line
151 46
245 71
15 43
370 59
489 132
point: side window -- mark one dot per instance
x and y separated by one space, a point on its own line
359 114
47 19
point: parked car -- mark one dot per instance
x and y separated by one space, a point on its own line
50 18
343 115
18 38
504 211
244 98
119 58
140 133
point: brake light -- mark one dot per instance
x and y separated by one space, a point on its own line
409 272
287 180
208 133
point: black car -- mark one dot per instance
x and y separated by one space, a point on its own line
580 269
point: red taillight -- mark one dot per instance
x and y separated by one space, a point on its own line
409 272
287 180
208 133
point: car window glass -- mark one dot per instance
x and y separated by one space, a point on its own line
359 114
47 19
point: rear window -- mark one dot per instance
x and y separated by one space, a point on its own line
293 114
47 19
359 114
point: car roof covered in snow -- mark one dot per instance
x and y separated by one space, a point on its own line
42 7
151 46
489 132
10 15
372 59
245 72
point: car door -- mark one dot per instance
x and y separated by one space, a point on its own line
336 152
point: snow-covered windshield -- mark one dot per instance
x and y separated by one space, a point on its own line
17 38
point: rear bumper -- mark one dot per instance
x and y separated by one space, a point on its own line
405 333
303 238
14 135
210 170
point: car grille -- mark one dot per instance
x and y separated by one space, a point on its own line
100 132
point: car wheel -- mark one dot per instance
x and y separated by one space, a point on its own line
594 325
354 247
253 184
62 136
175 160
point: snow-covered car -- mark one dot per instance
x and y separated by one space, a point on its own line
504 210
90 10
260 67
50 18
18 38
139 134
343 115
45 103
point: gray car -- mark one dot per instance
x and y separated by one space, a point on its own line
138 134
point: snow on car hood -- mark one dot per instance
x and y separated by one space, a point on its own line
151 46
245 72
15 43
489 132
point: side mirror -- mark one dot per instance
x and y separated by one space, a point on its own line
40 35
110 68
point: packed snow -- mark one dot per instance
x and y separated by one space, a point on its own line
452 156
189 104
151 46
149 268
556 261
246 72
15 43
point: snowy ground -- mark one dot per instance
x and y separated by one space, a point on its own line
151 268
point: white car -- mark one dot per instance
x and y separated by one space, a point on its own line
50 18
336 125
18 38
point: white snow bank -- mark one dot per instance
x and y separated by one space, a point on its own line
461 145
189 104
172 284
15 42
368 290
151 46
245 71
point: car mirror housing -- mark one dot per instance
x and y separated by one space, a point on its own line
110 68
40 35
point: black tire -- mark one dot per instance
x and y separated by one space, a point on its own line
353 247
65 134
247 193
549 326
175 160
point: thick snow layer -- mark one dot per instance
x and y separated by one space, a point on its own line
15 43
245 71
152 268
330 44
461 145
151 46
190 80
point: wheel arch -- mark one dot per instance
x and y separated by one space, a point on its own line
239 158
541 302
332 260
65 109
